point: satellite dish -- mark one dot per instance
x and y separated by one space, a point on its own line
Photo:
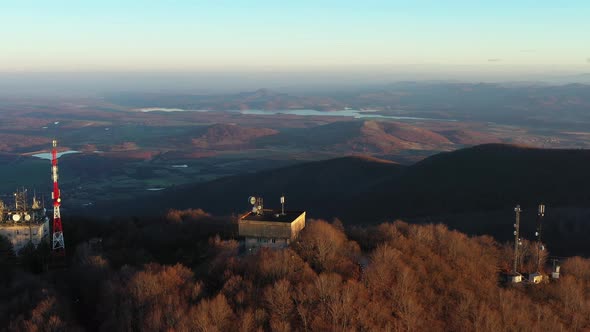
252 200
16 217
27 217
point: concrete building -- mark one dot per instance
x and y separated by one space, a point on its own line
20 234
23 224
555 271
514 278
535 278
269 228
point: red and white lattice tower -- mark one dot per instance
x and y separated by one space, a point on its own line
58 234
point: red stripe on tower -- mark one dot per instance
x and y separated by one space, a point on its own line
58 245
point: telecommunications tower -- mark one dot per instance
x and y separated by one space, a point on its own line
540 247
58 246
517 241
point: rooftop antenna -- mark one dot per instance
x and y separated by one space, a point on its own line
36 204
540 247
283 204
252 201
257 204
517 242
20 200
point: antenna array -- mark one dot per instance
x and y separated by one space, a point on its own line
257 204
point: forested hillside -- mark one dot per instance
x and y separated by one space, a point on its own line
155 275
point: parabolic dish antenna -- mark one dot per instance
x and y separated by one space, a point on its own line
27 217
252 200
16 217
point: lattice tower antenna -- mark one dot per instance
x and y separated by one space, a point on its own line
517 242
58 245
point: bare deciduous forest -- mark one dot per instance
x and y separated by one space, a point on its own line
165 275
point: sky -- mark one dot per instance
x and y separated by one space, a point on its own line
274 36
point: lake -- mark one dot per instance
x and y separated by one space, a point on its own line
345 113
356 114
47 155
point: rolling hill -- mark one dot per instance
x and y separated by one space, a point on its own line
381 137
483 177
491 176
473 190
228 136
323 185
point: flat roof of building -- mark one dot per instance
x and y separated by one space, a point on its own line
273 216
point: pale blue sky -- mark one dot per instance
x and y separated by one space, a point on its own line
293 35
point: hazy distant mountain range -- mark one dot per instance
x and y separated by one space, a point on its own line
503 103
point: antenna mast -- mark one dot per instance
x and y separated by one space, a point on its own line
517 211
58 235
516 237
540 215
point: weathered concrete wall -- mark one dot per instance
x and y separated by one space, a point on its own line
255 243
20 234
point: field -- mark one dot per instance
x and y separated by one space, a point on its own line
125 151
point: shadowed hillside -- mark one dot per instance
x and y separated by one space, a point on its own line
488 177
473 190
485 177
319 186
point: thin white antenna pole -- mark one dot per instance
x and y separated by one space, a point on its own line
540 215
